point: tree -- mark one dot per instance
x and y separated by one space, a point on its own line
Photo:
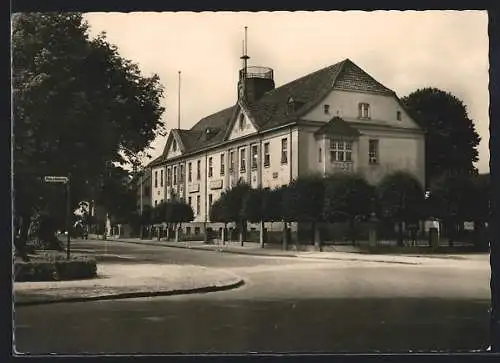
77 106
220 213
347 198
401 199
453 200
253 210
233 207
178 213
303 201
451 139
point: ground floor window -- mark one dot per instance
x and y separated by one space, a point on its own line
188 231
196 230
340 150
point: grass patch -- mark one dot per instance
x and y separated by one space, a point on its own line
54 266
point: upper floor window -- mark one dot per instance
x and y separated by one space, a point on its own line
161 178
156 178
373 152
210 199
290 106
198 170
174 145
210 167
326 109
320 155
267 156
254 156
364 110
198 204
340 151
175 175
398 115
190 172
284 151
222 164
181 173
190 202
243 161
169 176
242 121
231 160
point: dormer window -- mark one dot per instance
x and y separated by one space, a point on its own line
290 107
364 111
326 109
242 121
174 145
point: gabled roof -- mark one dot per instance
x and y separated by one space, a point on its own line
271 110
337 126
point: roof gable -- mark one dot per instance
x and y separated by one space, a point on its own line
337 126
353 78
242 123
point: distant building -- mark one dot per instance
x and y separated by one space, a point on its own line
337 119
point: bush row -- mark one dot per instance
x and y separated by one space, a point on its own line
56 269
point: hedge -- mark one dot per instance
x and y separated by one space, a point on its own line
55 268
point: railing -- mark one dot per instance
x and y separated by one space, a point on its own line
258 72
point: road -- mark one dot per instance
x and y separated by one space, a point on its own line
286 305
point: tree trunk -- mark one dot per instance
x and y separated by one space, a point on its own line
261 234
317 238
400 233
285 236
177 232
351 231
241 236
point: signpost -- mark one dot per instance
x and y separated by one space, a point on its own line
64 180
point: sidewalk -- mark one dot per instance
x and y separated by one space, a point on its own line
117 281
252 248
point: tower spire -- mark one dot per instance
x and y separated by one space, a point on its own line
245 56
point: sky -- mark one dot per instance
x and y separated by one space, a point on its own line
404 50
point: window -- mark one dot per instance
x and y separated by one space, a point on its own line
373 152
364 110
169 176
243 164
161 201
267 156
190 202
284 151
340 151
198 170
242 121
156 203
290 105
190 172
209 200
181 172
196 230
210 167
326 109
222 164
197 205
175 175
254 156
231 160
174 145
320 155
398 115
161 178
188 231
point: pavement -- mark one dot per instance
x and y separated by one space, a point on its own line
118 281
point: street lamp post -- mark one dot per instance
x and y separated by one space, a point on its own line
68 216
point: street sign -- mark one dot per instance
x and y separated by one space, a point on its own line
56 179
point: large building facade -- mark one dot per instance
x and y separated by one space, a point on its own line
337 119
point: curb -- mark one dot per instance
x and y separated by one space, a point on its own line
207 249
131 295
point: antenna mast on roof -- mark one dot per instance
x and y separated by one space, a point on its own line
179 104
245 56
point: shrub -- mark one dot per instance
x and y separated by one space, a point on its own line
55 268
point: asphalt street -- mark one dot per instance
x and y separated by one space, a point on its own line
286 305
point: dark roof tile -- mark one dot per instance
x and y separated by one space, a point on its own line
337 126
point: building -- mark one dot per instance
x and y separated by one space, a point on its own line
337 119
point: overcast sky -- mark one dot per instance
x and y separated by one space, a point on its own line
402 50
